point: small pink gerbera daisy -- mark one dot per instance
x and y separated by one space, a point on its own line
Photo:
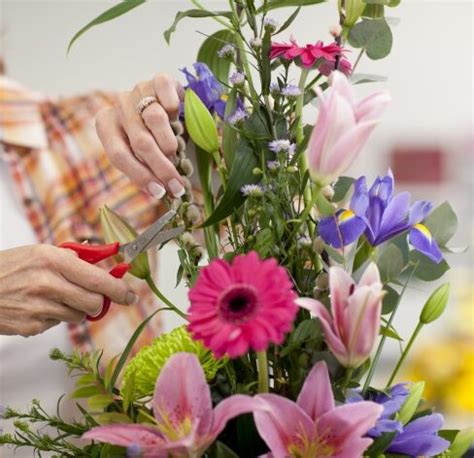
246 304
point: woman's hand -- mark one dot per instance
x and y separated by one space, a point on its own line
143 146
42 285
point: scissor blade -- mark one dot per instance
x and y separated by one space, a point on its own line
132 249
164 236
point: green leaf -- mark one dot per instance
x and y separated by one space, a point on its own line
199 123
442 223
374 11
109 371
111 418
307 329
264 242
86 379
274 4
85 392
359 78
342 188
464 439
334 254
195 13
391 333
100 401
241 173
208 53
324 206
229 135
373 35
289 21
266 73
390 264
380 444
127 392
435 305
427 270
409 407
124 7
129 347
390 300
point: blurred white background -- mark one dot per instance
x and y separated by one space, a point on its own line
429 72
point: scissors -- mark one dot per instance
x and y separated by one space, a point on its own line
153 236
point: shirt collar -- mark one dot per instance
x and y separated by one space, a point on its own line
21 122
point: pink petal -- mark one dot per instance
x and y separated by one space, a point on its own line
340 284
348 423
125 435
371 108
181 391
341 85
316 397
370 276
232 407
348 146
356 447
280 422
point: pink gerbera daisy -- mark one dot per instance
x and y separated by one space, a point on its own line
246 304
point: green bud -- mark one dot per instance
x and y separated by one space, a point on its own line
409 407
118 230
257 171
435 305
291 169
353 11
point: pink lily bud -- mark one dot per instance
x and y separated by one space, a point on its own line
352 327
342 129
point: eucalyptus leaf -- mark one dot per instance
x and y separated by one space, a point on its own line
117 10
241 174
342 188
390 300
426 269
194 13
208 53
373 35
442 223
390 264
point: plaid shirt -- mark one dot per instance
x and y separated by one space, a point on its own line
63 177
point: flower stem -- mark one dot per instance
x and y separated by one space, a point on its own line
163 298
405 352
262 362
347 379
384 337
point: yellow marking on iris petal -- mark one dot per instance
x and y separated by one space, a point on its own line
424 230
345 215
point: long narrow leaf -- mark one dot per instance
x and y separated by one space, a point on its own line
128 348
111 13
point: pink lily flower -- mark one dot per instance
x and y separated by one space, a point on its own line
342 129
354 326
313 426
186 424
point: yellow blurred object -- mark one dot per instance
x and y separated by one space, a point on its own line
447 365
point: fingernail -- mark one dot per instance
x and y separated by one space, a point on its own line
176 188
131 298
156 190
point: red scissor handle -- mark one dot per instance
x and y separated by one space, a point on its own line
92 253
118 272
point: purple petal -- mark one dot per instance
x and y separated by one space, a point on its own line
418 445
427 424
219 107
360 198
341 229
385 426
419 211
395 214
423 241
383 188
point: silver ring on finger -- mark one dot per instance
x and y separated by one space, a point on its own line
144 103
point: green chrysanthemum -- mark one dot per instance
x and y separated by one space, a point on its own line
145 367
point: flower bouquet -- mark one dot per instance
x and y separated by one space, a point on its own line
297 279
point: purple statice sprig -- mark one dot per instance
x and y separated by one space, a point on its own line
282 146
291 91
227 52
237 117
252 190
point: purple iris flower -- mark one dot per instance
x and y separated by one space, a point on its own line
206 87
391 403
381 216
417 438
420 437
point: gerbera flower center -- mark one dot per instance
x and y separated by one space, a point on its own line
238 303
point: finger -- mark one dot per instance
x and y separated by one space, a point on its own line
157 119
59 312
144 146
97 280
81 300
167 93
120 155
34 327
